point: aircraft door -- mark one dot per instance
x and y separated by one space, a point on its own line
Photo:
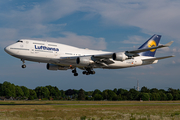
137 62
55 53
32 50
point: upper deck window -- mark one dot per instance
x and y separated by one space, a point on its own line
19 41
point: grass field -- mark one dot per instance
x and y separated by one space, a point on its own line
90 110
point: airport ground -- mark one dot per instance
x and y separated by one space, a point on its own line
90 110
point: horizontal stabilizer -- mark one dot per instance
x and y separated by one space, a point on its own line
157 58
147 49
168 44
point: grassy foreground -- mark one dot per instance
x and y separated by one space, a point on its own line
90 110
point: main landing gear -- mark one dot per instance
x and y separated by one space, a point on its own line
75 72
88 72
23 66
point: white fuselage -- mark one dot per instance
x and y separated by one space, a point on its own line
49 52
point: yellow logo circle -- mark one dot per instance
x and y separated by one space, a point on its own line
152 43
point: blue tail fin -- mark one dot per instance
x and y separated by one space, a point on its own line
151 42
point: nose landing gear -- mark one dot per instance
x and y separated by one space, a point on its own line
23 66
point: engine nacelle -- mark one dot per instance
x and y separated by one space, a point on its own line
84 61
119 56
55 67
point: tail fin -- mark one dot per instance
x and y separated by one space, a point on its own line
151 42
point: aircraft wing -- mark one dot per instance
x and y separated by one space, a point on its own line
105 59
133 52
157 58
63 60
100 60
106 56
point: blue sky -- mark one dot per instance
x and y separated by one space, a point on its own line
103 25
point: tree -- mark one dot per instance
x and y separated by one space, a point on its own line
63 93
144 96
115 90
96 92
8 89
169 96
163 96
54 92
176 96
81 95
89 93
115 97
175 93
98 97
144 89
19 92
25 91
108 94
133 94
129 96
69 92
119 97
45 92
32 94
154 90
105 94
122 91
1 89
111 94
57 93
155 96
162 90
42 92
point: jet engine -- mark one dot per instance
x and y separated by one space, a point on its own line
120 56
84 61
55 67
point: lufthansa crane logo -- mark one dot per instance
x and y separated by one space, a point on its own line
152 43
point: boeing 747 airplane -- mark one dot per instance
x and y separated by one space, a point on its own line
63 57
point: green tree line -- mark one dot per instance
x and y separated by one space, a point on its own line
49 92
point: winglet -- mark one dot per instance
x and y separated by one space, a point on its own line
169 44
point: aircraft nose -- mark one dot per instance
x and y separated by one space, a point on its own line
6 49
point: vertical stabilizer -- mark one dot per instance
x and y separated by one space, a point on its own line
151 42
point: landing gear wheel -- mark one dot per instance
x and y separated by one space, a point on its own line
84 72
24 66
93 72
75 74
73 71
87 73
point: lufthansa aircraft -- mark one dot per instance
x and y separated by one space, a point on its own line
64 57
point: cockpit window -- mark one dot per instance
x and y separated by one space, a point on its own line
19 41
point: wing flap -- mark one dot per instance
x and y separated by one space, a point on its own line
103 59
